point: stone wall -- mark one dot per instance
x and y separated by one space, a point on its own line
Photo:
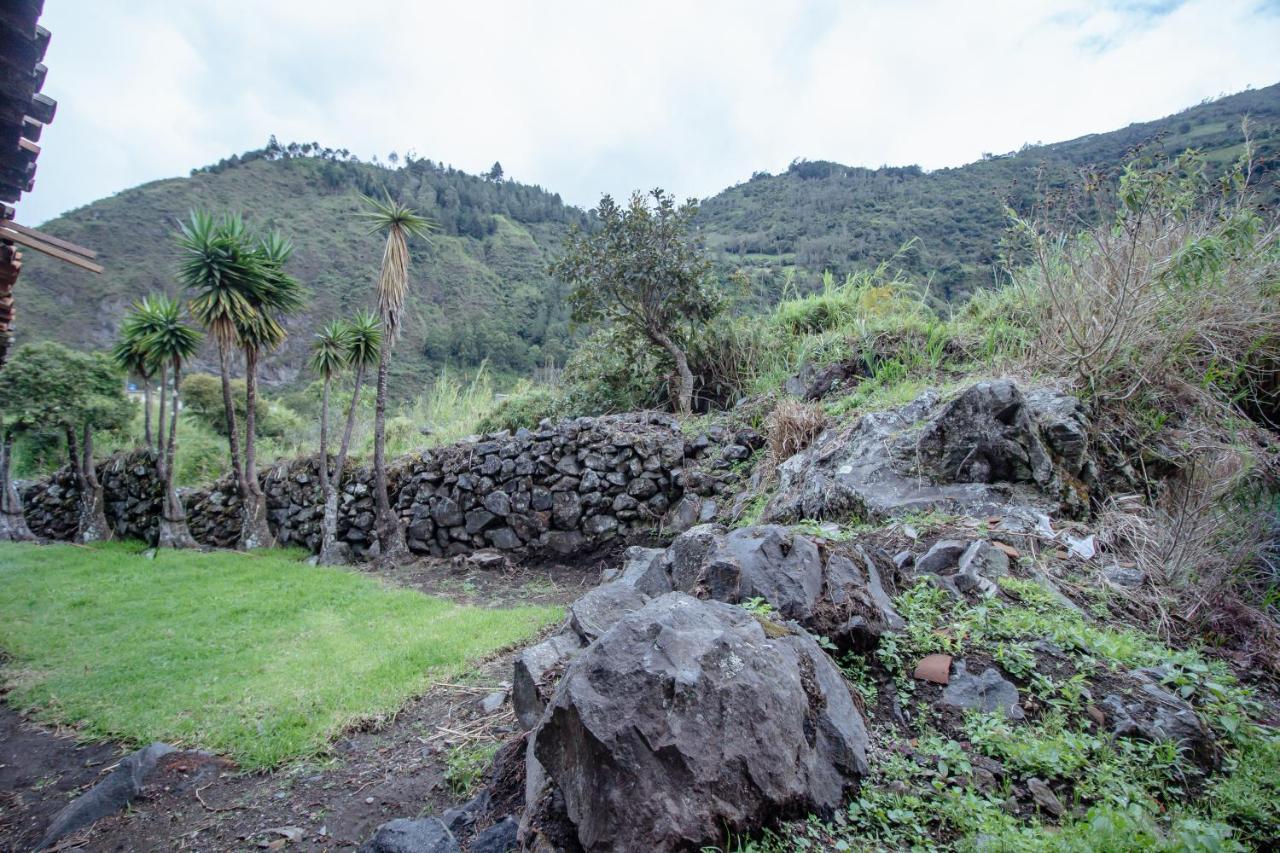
560 487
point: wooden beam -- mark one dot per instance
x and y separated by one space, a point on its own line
51 240
7 233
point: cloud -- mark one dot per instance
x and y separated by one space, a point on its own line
589 97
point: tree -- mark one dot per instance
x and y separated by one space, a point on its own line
328 357
169 343
261 332
494 174
643 270
130 356
364 346
399 223
238 287
48 386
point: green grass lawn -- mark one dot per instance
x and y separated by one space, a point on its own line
256 656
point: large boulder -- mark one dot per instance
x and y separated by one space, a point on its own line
686 719
837 590
986 450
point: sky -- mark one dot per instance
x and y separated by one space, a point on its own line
611 96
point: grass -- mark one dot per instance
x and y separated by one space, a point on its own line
259 656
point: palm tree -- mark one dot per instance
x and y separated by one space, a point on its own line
275 294
170 342
364 346
399 222
221 271
329 352
129 356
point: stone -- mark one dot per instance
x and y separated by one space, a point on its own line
566 510
463 816
402 835
501 837
685 721
978 454
446 513
988 691
108 796
1155 714
479 519
980 567
493 701
941 558
1044 797
536 670
498 503
644 569
600 609
735 453
504 538
1125 576
600 526
564 541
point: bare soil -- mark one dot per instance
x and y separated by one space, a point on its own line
388 769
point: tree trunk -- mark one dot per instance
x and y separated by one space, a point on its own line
684 399
174 532
324 436
146 410
93 525
390 536
229 407
255 532
331 554
159 445
13 525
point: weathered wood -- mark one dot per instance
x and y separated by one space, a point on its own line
50 239
7 233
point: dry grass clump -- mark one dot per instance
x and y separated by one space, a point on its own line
791 427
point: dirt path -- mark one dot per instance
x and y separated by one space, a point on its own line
394 768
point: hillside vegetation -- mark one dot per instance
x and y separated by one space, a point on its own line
481 288
820 215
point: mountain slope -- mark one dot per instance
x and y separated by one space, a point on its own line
823 215
479 291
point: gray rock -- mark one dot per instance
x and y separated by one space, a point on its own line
564 541
499 838
426 835
536 671
601 608
989 691
447 513
566 510
504 538
1125 576
463 816
493 701
941 558
978 454
498 503
645 569
1155 714
981 565
1045 798
685 720
108 796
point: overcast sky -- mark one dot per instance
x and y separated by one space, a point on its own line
610 96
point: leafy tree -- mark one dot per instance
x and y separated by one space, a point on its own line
645 271
399 222
494 174
363 338
169 343
48 386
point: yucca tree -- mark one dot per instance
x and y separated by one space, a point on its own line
275 295
221 270
363 335
130 356
399 223
329 353
169 344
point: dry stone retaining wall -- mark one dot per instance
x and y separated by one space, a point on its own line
560 487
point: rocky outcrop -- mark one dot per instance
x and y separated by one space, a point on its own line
560 488
686 719
989 448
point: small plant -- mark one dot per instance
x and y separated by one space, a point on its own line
465 766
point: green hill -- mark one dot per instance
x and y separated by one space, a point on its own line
820 215
480 286
481 289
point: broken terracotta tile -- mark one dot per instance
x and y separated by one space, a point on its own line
935 668
1011 552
